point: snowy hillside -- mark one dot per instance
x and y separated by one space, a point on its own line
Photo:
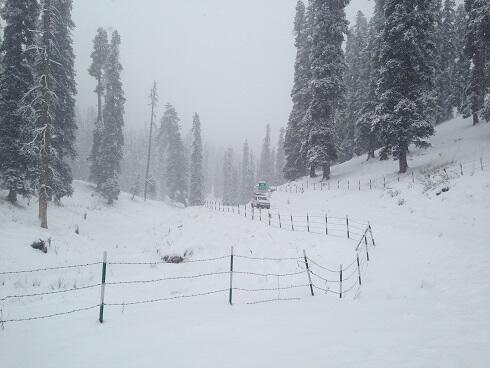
424 299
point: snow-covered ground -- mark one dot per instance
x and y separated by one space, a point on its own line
425 298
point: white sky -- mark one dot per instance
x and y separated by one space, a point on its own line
230 60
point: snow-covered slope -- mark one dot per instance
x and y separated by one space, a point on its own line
425 298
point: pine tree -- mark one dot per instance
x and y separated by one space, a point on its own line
172 156
112 140
367 129
280 158
266 167
153 103
16 79
196 192
357 85
478 50
245 189
99 58
327 64
406 83
228 181
64 123
462 65
294 139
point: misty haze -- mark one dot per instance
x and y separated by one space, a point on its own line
217 183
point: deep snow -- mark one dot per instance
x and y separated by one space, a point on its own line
425 298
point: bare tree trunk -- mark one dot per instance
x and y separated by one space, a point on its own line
476 119
153 98
402 160
326 171
312 171
12 196
45 121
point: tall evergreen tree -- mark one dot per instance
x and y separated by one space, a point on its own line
357 85
478 50
99 59
280 158
172 154
228 180
16 79
367 129
196 191
462 64
112 141
327 85
406 83
64 123
266 167
245 189
295 161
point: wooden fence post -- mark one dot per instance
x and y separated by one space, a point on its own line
231 278
269 215
340 284
367 248
371 232
370 185
308 272
348 184
260 214
384 182
359 185
292 224
359 269
347 222
253 213
279 216
102 288
461 167
481 163
308 222
326 224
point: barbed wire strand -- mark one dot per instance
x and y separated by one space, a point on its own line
49 292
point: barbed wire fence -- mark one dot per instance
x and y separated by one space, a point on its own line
462 168
309 275
316 224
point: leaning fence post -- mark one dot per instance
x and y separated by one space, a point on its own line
231 278
340 284
371 232
347 222
308 222
367 248
308 272
102 288
326 224
359 269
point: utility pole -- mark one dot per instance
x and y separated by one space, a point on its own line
153 102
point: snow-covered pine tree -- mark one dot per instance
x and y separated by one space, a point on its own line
99 58
16 79
172 156
293 141
245 189
266 166
153 103
228 181
405 87
445 36
327 85
478 50
112 141
280 158
196 191
357 85
64 123
462 64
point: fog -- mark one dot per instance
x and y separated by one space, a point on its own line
231 61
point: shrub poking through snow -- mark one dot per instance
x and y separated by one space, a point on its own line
40 245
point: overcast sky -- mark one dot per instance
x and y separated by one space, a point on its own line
230 60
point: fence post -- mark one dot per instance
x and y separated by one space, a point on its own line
340 284
326 224
279 216
308 272
367 248
238 209
370 185
231 278
371 232
413 177
338 184
102 288
359 185
481 163
384 182
260 214
348 184
253 213
359 269
292 224
245 210
461 167
308 222
347 222
269 215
